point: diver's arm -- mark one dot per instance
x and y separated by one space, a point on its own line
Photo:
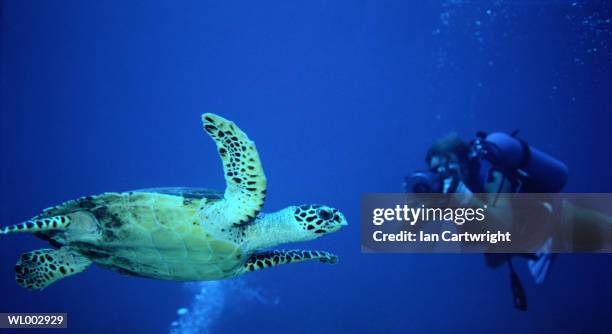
499 209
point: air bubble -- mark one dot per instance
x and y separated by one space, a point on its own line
209 302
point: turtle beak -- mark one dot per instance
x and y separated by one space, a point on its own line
343 221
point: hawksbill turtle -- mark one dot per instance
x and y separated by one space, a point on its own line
182 234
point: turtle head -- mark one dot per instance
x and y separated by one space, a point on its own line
294 224
317 220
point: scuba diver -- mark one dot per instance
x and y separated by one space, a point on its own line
500 163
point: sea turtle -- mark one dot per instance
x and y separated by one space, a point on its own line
181 234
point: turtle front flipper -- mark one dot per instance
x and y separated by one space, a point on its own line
38 269
245 190
39 225
266 259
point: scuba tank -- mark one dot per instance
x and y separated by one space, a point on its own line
530 171
534 170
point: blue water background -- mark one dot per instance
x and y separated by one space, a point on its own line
341 97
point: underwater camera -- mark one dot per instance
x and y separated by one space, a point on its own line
424 182
441 179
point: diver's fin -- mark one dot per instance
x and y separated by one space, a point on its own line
266 259
540 266
519 297
38 225
38 269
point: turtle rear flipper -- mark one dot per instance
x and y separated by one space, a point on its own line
38 269
39 225
245 190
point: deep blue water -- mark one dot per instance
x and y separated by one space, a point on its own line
341 98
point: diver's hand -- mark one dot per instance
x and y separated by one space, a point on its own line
462 197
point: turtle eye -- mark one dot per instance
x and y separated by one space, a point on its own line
324 214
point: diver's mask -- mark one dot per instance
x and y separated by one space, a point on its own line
444 178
